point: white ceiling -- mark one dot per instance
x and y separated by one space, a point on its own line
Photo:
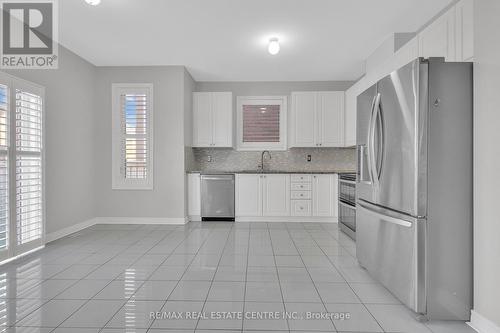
226 40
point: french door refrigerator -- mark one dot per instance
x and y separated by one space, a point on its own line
414 186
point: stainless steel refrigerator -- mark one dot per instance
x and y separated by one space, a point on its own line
414 186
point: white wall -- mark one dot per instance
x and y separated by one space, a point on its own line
166 200
70 121
487 160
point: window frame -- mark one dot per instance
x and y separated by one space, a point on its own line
119 182
14 249
261 100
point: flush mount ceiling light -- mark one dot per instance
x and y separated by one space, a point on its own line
274 46
93 2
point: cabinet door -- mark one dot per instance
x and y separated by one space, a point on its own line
276 195
331 118
194 201
351 96
222 119
202 119
248 194
325 196
438 39
303 119
465 30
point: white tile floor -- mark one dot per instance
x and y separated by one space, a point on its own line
110 278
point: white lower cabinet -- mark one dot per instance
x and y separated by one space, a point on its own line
194 200
324 193
248 195
276 196
285 197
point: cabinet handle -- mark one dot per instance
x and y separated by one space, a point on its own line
302 195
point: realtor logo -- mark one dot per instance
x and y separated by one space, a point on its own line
29 34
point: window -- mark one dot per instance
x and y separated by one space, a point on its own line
261 123
132 136
21 166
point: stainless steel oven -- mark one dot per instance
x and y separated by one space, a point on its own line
347 204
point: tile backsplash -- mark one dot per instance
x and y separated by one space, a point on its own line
322 159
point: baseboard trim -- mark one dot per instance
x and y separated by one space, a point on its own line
304 219
69 230
482 324
112 220
141 220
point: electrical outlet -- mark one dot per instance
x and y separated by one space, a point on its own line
309 158
209 158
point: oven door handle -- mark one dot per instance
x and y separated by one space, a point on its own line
347 205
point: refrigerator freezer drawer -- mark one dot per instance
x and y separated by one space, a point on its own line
393 252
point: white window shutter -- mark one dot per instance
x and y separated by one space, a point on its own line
132 136
4 165
29 191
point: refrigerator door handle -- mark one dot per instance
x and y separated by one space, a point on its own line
371 140
387 215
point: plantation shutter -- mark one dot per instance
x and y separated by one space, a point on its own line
4 166
29 205
132 136
134 130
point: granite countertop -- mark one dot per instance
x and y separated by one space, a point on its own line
271 172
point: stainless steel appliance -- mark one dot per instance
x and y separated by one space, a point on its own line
414 186
347 204
217 197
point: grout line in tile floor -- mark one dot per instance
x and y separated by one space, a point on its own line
310 276
114 279
278 275
180 279
309 244
361 302
213 277
45 301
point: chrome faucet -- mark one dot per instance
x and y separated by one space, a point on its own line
261 166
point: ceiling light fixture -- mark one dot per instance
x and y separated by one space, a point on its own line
274 46
93 2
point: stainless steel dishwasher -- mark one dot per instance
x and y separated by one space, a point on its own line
217 197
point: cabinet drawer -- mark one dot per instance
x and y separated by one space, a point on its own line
301 178
301 186
301 195
301 208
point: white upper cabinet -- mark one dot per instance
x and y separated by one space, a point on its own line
317 119
438 39
331 118
303 122
465 30
276 195
324 193
212 119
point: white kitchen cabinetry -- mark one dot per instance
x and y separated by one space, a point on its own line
286 198
248 195
451 35
276 195
194 200
324 194
317 119
438 39
464 30
262 195
212 119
